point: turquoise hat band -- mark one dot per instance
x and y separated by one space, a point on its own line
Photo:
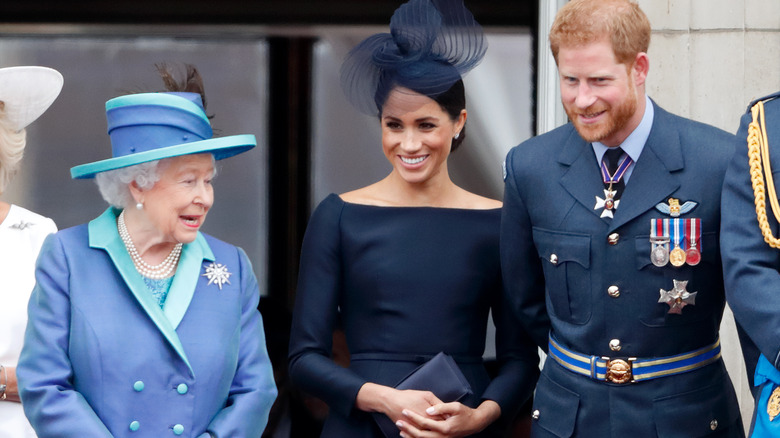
171 100
221 147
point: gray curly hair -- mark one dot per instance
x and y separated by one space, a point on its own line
114 185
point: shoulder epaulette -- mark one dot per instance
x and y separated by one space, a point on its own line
767 98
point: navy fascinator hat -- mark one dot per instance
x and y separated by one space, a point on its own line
431 44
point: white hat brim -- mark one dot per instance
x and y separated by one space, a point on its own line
27 91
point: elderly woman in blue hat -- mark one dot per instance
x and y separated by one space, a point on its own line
25 93
139 324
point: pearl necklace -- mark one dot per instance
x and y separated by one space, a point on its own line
163 270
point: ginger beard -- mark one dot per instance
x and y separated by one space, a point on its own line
616 117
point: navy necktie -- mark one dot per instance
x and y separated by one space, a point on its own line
612 159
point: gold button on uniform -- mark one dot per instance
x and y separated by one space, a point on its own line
554 259
714 424
614 345
613 291
613 238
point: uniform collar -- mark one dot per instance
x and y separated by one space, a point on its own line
635 142
654 177
103 234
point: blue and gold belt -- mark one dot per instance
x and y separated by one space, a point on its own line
631 369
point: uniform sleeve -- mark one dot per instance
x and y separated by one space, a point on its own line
50 402
253 389
520 265
316 312
518 360
750 265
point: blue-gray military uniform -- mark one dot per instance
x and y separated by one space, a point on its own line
752 267
632 354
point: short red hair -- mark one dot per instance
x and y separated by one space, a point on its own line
582 22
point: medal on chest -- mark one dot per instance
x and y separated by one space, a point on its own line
682 235
693 236
659 239
677 254
773 404
608 204
678 297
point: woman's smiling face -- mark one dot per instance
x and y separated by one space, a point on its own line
417 135
177 204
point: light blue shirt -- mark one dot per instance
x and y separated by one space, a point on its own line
634 143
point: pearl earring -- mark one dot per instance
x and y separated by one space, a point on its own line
457 135
139 206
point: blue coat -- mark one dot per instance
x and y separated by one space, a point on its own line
102 359
559 259
751 267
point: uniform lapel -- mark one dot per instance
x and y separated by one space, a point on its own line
582 179
656 175
103 234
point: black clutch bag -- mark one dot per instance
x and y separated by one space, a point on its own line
441 376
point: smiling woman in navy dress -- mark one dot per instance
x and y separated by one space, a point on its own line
410 263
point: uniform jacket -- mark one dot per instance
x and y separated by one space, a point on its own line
559 258
751 267
102 359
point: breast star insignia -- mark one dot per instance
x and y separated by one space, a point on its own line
218 274
22 225
678 297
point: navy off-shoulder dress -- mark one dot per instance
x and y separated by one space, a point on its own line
407 283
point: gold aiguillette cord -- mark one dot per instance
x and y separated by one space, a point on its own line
758 152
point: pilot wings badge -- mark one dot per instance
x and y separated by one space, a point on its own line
674 209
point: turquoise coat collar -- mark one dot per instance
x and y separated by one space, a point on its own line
103 234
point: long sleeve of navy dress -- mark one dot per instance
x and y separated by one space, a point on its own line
407 283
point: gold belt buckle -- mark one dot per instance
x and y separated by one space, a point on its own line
620 370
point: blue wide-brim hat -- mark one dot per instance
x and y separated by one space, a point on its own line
152 126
